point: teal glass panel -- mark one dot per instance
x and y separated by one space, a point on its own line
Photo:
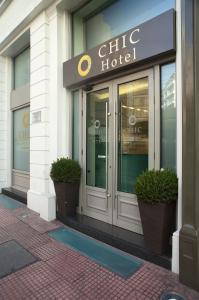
22 68
78 23
168 116
75 126
96 138
78 35
112 19
21 139
132 133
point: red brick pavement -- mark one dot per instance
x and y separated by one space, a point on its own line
62 273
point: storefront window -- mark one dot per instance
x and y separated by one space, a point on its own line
22 68
21 135
75 125
168 116
91 27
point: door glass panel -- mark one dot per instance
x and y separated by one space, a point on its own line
132 132
75 126
21 139
168 116
96 138
22 69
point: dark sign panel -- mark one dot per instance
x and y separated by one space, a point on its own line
148 40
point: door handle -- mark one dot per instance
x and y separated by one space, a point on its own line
114 202
107 196
101 156
106 149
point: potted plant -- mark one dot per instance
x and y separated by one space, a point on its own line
65 174
157 192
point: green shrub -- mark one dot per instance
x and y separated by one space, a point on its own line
65 170
157 186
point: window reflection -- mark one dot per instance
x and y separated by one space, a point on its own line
96 138
21 134
168 116
22 68
132 133
121 16
75 126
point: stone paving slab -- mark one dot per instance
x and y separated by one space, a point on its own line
14 257
63 273
37 223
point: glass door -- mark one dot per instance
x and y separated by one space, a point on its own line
133 135
21 149
134 147
98 157
118 146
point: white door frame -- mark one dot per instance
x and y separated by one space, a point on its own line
113 199
104 196
122 199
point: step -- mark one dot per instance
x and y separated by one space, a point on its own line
15 194
120 238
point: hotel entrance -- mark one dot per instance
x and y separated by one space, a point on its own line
118 129
121 124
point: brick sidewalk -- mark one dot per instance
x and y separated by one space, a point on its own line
62 273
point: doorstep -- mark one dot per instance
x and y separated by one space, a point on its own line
15 194
120 238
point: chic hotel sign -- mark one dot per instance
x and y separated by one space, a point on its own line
146 41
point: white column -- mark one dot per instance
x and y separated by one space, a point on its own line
5 123
49 138
39 197
175 238
60 99
3 119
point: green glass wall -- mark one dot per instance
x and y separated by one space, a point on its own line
132 133
97 138
22 68
21 139
168 116
75 126
101 20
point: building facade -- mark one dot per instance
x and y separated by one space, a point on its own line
114 85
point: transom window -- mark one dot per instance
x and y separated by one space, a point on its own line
101 20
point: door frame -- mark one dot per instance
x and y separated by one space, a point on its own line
104 215
120 198
154 137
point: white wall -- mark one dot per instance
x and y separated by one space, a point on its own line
38 195
49 48
48 138
17 16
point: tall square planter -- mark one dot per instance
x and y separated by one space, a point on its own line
67 198
157 221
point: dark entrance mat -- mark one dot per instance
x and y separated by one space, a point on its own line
115 260
171 296
117 237
14 257
9 203
15 194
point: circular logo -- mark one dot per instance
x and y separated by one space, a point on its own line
132 120
97 124
84 60
25 119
